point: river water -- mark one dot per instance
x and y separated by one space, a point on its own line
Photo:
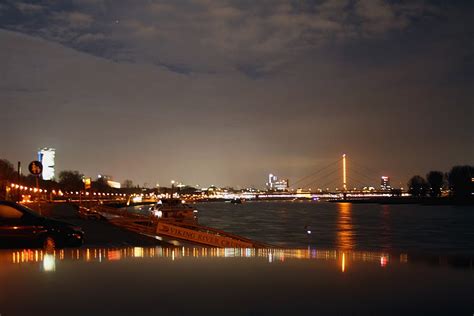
345 226
358 260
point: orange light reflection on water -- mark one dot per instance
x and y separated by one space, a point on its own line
345 235
341 259
343 262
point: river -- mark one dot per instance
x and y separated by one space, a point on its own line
345 226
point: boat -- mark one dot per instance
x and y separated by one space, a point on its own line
174 210
236 201
173 221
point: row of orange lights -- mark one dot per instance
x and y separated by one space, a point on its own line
25 188
60 193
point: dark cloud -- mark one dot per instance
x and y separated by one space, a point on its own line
214 35
29 8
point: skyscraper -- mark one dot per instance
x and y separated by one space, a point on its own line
271 181
277 185
385 183
46 157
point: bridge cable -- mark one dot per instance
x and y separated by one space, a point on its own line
321 177
318 171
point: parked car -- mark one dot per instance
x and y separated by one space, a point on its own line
23 227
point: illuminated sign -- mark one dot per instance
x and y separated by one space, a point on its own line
87 183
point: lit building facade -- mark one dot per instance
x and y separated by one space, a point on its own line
271 181
108 179
274 184
114 184
282 185
46 156
385 183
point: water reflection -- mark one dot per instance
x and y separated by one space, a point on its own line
342 260
49 262
343 264
345 233
386 229
49 259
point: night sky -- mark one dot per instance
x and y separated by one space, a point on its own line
225 92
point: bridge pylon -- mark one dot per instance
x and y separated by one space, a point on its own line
344 173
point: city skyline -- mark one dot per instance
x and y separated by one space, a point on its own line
238 90
363 178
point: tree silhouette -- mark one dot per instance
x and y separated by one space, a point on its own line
101 185
460 180
71 180
127 184
417 186
436 182
7 171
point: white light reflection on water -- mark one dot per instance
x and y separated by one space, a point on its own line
49 262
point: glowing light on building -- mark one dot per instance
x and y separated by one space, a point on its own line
46 157
113 184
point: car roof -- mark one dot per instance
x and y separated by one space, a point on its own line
21 208
8 203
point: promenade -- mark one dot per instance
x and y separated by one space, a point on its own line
98 233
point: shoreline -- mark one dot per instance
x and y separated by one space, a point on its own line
431 201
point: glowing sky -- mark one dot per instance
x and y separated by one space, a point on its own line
225 92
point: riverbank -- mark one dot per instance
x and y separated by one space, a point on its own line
407 200
98 232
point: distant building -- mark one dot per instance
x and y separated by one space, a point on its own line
274 184
46 157
109 181
271 181
282 185
114 184
385 183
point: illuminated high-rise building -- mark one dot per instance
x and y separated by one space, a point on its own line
271 181
385 183
46 157
277 185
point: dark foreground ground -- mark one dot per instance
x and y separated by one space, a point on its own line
190 281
